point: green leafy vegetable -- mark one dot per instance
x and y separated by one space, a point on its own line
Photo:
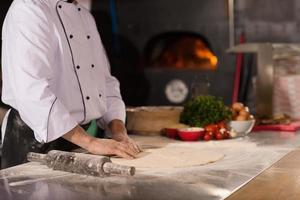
204 110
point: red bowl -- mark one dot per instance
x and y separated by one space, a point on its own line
171 133
191 134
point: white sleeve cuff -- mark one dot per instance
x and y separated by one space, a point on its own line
116 110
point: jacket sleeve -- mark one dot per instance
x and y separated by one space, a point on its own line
114 103
29 50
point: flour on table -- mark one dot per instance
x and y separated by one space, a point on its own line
171 157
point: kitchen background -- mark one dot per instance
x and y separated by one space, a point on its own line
131 30
147 41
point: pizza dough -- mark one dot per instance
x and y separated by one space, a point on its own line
171 157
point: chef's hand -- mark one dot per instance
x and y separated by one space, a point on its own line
111 147
94 145
119 133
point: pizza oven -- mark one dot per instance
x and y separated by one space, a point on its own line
178 65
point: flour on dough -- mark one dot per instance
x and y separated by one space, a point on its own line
171 157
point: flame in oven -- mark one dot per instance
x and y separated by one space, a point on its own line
187 52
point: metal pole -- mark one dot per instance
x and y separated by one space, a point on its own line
231 23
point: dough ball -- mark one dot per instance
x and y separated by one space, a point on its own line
243 112
234 113
237 106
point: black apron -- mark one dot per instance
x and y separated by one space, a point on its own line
19 140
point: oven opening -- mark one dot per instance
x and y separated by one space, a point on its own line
180 50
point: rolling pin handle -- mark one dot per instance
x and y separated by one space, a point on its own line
112 168
36 157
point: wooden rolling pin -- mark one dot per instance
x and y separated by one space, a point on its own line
80 163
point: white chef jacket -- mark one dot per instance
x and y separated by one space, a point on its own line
55 69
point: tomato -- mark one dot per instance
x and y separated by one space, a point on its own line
226 135
207 137
219 136
210 133
211 128
222 124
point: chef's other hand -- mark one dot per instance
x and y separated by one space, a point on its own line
119 133
94 145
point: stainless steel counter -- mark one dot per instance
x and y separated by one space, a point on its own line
244 159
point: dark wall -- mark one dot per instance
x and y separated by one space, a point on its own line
269 20
140 20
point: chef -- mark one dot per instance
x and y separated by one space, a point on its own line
56 78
